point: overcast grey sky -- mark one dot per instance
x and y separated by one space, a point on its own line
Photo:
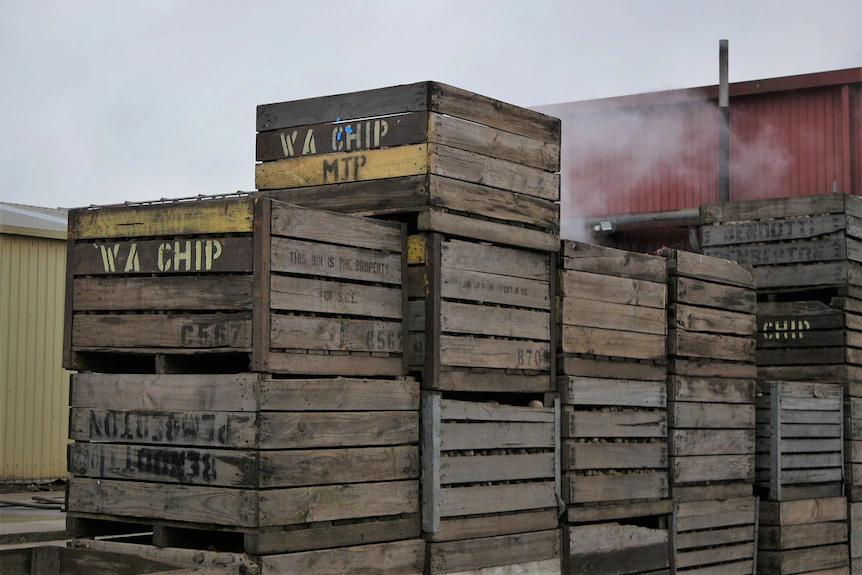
110 101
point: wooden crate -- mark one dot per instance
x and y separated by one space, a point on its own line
479 316
615 548
458 160
794 243
715 536
487 469
611 305
799 440
804 536
248 461
260 283
536 553
614 447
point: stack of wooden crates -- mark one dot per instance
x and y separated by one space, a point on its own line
711 392
611 360
475 182
240 383
805 256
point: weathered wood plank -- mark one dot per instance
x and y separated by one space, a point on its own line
321 296
612 289
168 293
338 365
324 333
687 442
621 317
588 367
803 512
343 263
710 415
582 489
709 294
455 410
633 424
783 253
772 208
503 435
349 136
486 552
477 500
712 346
366 198
494 353
341 394
811 559
293 468
603 260
710 389
492 288
311 429
701 515
436 220
710 269
332 536
779 230
471 256
702 468
703 319
703 367
206 255
401 557
613 343
802 276
612 392
458 470
335 502
334 228
579 456
773 537
225 330
186 218
464 318
216 392
474 527
235 430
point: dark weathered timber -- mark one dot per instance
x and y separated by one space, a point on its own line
800 356
707 268
350 106
473 554
200 293
708 294
802 276
798 316
771 230
392 195
772 208
433 258
403 557
772 338
823 250
602 260
348 136
68 296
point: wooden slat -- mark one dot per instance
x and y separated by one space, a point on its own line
613 343
187 218
622 317
703 468
343 263
485 553
773 537
710 415
457 470
702 319
401 557
216 392
167 293
612 289
350 136
455 410
686 442
772 208
457 133
709 294
587 424
340 365
503 435
783 253
436 220
779 230
321 296
342 394
226 330
315 225
580 489
712 346
227 429
471 256
700 515
494 353
804 511
464 318
588 367
473 527
612 392
704 367
300 505
711 389
710 269
477 500
579 456
301 332
310 429
812 559
490 288
293 468
802 276
203 255
603 260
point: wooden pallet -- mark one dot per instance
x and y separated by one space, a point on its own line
804 536
285 464
797 243
799 440
302 291
488 469
616 548
535 553
425 147
479 316
717 536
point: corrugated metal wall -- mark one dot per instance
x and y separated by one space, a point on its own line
34 388
621 157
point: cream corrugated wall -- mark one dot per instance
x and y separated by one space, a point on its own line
34 388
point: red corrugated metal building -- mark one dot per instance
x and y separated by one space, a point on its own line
656 153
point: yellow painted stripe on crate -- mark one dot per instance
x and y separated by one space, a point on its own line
343 167
416 249
201 217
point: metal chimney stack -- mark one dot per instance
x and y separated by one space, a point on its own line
724 123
